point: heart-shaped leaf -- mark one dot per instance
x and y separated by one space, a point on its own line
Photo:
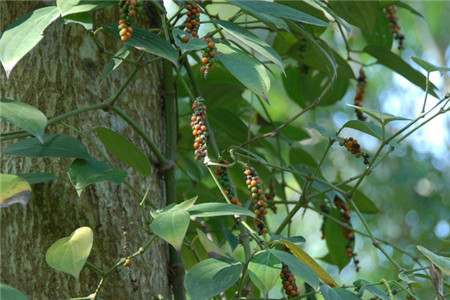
14 189
83 172
264 270
9 293
24 34
171 226
25 116
69 254
212 276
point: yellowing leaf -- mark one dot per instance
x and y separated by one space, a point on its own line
14 189
304 257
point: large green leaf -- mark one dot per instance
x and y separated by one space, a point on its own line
83 172
359 13
54 146
146 41
37 177
300 158
68 7
396 63
336 241
14 189
369 128
365 205
300 269
83 18
245 68
229 123
210 277
441 262
381 34
24 34
252 41
69 254
337 293
9 293
429 67
264 270
124 150
215 209
25 116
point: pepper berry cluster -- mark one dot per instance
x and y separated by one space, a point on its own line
128 11
255 190
199 129
269 198
359 98
192 22
348 233
288 280
133 280
225 181
391 16
353 147
208 56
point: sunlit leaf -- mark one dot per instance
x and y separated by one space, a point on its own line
124 150
69 254
441 262
403 276
323 131
54 146
379 116
210 277
24 34
83 172
68 7
264 270
25 116
14 189
9 293
429 67
216 209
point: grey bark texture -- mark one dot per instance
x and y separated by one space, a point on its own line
61 74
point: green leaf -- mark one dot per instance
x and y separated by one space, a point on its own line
212 276
379 116
25 116
37 177
397 64
300 269
323 131
366 286
69 254
402 275
210 247
429 67
405 5
264 270
245 68
441 262
337 293
293 239
252 41
24 34
381 34
215 209
125 150
362 14
336 241
186 204
369 128
192 45
54 146
68 7
116 61
83 18
171 225
14 189
83 172
365 205
146 41
300 158
229 123
274 12
9 293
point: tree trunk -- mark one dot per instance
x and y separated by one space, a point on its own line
61 74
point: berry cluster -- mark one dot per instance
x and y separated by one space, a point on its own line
133 280
192 21
288 280
359 98
208 56
199 129
391 16
353 147
225 181
269 198
348 233
128 10
255 190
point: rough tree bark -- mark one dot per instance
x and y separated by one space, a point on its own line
61 74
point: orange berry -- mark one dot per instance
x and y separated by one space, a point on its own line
123 31
248 172
203 128
127 262
203 69
185 39
212 54
253 183
122 21
205 60
124 38
128 35
130 30
196 145
211 45
132 12
122 26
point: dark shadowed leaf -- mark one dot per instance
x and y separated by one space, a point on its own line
25 116
381 34
115 62
211 248
146 41
54 146
264 270
9 293
365 205
125 150
68 7
210 277
24 34
362 14
83 18
37 177
336 241
192 45
14 189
